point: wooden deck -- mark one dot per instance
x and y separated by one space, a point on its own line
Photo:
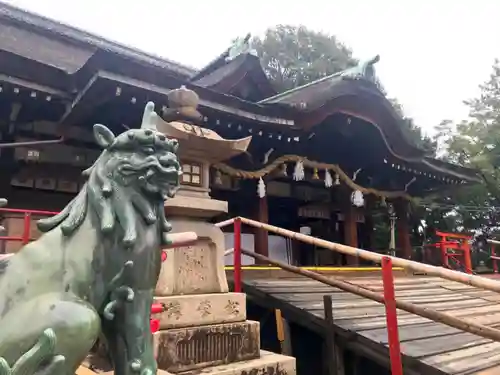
428 347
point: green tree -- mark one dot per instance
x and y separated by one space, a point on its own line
295 55
475 142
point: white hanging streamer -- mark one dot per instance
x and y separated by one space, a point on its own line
355 175
328 179
409 183
266 156
357 198
298 173
261 188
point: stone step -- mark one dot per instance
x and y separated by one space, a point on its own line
268 364
186 349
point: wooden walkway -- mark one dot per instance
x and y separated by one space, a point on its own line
428 347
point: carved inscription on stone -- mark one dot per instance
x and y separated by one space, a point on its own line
233 307
174 310
205 308
201 309
196 272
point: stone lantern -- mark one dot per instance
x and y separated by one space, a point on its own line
204 327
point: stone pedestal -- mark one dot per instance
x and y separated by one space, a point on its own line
186 349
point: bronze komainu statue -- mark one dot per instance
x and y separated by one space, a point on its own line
95 268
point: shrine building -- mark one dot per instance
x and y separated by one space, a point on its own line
321 158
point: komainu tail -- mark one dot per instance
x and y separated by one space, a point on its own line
39 360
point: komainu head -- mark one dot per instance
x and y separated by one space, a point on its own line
138 159
130 180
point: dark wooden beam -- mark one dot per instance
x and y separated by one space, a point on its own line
93 95
159 95
35 87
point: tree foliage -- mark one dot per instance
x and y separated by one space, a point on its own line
295 55
475 143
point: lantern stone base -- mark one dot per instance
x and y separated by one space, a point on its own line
194 269
195 348
201 309
267 364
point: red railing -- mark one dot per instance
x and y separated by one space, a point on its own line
388 296
494 257
388 285
25 237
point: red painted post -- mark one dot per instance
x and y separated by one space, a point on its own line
27 228
237 255
391 317
467 258
444 254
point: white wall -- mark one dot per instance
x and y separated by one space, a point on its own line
246 243
277 248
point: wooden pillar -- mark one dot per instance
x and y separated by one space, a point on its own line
296 251
350 224
403 229
333 351
284 335
369 222
8 163
261 244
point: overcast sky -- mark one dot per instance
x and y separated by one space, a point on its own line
434 53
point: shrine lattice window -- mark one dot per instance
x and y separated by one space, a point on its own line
191 174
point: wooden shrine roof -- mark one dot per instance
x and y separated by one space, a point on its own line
85 40
232 77
427 347
86 71
353 91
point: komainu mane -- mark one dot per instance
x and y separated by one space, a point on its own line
96 266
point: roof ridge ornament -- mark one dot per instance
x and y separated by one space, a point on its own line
240 46
363 70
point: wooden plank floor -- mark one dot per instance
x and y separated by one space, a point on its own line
433 347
